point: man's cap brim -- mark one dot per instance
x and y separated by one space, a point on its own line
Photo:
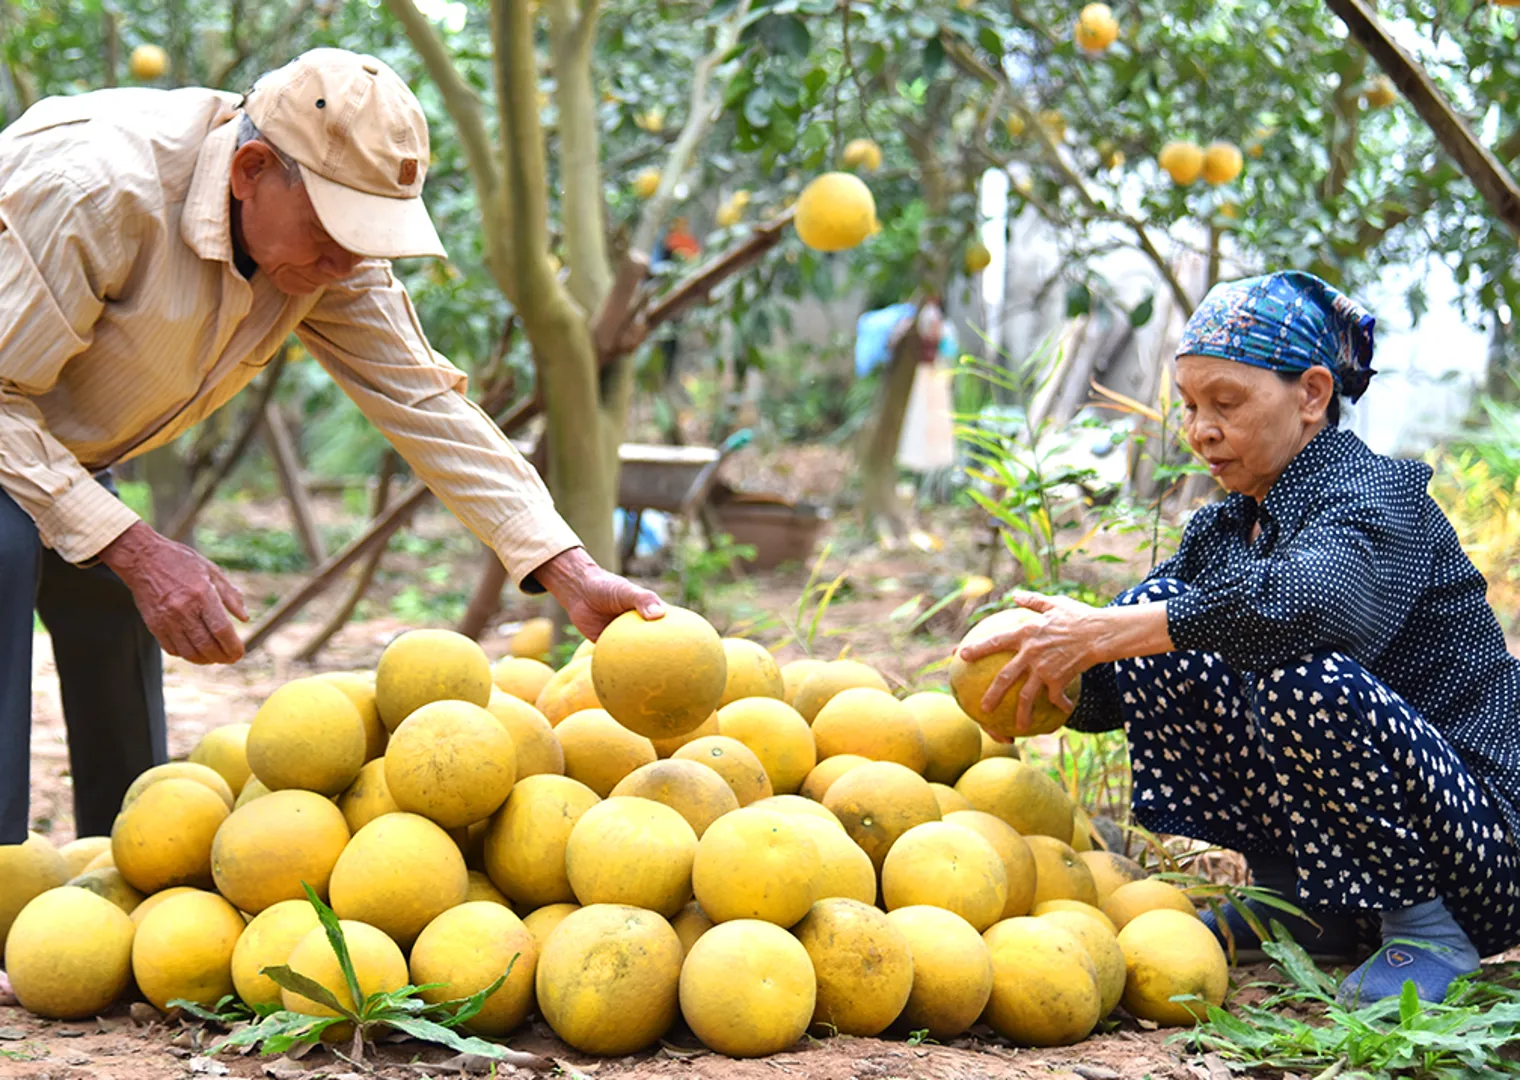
375 226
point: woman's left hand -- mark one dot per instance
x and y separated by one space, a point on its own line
1051 652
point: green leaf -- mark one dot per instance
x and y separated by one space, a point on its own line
786 35
287 979
335 937
466 1009
1143 311
229 1010
1409 1002
1078 300
934 57
281 1030
428 1031
990 40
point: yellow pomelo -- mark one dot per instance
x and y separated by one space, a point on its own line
451 762
521 676
225 749
471 841
1096 936
794 674
180 770
377 962
1182 161
1044 984
1053 123
977 257
367 797
952 739
843 869
1380 93
583 650
308 735
666 748
878 802
266 851
835 212
164 837
756 864
969 680
633 851
27 870
78 854
863 964
861 154
952 971
267 942
1020 794
1081 830
694 791
949 799
1110 870
183 949
646 182
538 751
690 923
608 978
144 909
568 692
359 687
991 748
69 954
423 666
739 766
398 874
1221 163
778 735
525 844
1129 902
748 989
148 62
660 677
873 724
543 921
1012 849
468 948
254 789
1059 874
829 679
798 804
599 751
1097 28
946 865
108 884
818 782
1045 907
101 861
1167 953
752 672
482 888
533 640
1014 125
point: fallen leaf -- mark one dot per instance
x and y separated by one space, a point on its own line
142 1013
77 1059
284 1069
1095 1072
681 1053
204 1066
11 1034
1218 1070
68 1033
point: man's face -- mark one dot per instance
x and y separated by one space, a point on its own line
280 230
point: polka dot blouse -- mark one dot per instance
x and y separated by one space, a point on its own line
1354 556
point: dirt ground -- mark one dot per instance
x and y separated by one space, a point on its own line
134 1043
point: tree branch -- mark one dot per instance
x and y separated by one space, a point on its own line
526 171
1490 177
584 210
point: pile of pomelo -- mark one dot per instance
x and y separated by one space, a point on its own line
670 826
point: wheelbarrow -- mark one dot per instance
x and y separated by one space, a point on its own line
676 480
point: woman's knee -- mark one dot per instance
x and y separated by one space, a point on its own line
1153 591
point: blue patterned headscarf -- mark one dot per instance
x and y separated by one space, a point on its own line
1288 321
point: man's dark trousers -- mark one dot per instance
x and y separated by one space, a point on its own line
109 667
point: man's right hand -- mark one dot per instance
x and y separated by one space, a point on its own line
184 597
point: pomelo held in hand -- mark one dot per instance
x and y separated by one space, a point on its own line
660 677
969 681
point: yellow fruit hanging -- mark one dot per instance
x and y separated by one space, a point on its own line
835 212
1258 142
861 154
651 120
1183 161
1380 93
1221 163
978 258
646 183
1097 28
148 62
1054 124
1014 125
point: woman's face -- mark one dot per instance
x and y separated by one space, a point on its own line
1249 422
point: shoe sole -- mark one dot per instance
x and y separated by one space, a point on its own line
1256 956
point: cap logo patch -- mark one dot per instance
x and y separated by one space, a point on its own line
408 172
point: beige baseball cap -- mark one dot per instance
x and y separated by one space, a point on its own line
359 137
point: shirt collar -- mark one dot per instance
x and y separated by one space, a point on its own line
1292 491
206 223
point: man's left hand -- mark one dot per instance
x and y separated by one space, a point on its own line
592 596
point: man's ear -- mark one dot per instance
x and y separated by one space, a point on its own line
249 163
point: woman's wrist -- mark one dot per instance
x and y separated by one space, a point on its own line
1123 633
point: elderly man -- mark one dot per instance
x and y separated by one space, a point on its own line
156 248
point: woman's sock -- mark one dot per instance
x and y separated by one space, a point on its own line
1430 924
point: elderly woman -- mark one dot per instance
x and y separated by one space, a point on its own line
1315 679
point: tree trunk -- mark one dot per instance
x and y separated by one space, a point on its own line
169 481
580 475
878 466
